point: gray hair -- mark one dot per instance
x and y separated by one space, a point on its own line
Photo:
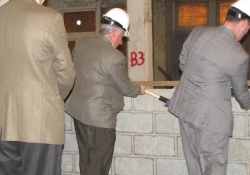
107 29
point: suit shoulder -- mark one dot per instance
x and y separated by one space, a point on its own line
105 46
48 11
202 28
90 41
98 46
116 54
86 38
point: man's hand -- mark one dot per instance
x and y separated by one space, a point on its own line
143 88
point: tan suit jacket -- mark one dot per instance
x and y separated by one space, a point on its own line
212 62
36 73
101 82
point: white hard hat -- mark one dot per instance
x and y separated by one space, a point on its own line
118 17
243 6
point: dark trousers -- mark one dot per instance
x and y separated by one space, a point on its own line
206 152
96 147
20 158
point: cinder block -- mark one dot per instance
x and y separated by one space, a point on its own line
134 122
236 106
143 103
67 163
123 144
248 126
237 169
76 165
149 103
154 145
68 122
239 126
164 92
77 168
128 104
166 123
70 143
153 133
134 166
239 150
180 152
171 167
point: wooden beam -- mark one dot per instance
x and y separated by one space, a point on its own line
164 83
158 83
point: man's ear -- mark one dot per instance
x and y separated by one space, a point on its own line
112 36
245 23
241 25
114 33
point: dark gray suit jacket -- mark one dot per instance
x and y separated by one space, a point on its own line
212 62
101 82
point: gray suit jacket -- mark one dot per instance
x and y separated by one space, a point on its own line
212 62
36 73
101 82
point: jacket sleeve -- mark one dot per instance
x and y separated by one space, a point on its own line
62 63
239 84
121 81
183 55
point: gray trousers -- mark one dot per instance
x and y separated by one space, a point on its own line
20 158
206 152
96 147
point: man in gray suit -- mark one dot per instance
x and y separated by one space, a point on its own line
97 96
212 61
36 74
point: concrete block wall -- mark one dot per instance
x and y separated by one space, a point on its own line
148 141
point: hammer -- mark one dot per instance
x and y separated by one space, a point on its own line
161 98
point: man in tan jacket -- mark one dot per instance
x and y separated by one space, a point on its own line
36 74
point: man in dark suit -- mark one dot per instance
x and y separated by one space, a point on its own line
212 61
97 96
36 74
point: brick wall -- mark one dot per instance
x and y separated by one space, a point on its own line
148 141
